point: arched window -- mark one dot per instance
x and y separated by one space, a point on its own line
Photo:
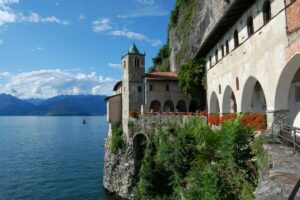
216 55
236 38
237 83
137 62
267 11
167 88
227 47
250 27
220 89
222 50
210 63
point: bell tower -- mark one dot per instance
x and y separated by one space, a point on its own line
133 70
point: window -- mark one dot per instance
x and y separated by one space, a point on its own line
167 88
151 87
237 83
227 47
220 89
139 89
216 55
236 38
210 63
250 27
266 11
222 50
137 62
124 64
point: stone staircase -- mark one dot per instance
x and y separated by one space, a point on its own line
283 173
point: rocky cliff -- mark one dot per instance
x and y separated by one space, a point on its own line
191 23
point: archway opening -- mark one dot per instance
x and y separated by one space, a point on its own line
194 106
139 146
287 98
168 106
181 106
214 104
253 99
155 106
229 101
294 100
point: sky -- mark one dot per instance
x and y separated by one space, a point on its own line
56 47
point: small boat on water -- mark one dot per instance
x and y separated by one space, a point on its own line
84 122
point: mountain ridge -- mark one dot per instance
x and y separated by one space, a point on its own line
63 105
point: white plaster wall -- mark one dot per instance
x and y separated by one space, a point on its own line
260 56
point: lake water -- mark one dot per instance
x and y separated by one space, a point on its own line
52 158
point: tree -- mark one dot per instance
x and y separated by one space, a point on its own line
191 77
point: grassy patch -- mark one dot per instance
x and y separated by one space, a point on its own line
116 139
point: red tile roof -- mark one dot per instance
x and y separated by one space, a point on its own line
162 76
117 85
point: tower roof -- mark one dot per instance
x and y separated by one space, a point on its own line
133 49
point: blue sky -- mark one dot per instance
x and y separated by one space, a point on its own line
53 47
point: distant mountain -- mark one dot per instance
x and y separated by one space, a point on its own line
35 101
10 105
65 105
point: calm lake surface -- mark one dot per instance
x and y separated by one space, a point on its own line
52 158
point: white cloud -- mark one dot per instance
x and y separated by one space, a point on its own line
49 83
101 24
145 2
147 10
5 74
39 48
35 18
115 66
81 17
135 36
8 15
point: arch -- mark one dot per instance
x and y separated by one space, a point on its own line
214 106
139 146
181 106
288 90
155 106
193 106
253 97
266 9
229 101
168 106
284 82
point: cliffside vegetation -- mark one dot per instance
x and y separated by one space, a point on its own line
162 61
191 78
181 22
116 139
195 161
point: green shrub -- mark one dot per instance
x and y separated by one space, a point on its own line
199 163
191 76
116 139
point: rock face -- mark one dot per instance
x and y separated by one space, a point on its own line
193 25
119 171
279 180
